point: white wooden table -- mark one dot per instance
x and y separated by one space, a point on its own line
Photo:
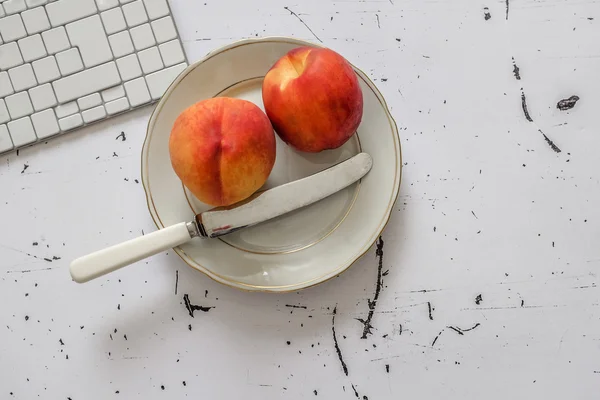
490 262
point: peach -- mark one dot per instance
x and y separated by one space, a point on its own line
313 98
222 149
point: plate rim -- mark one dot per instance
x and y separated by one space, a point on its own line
270 289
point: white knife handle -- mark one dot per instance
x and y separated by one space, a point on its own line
118 256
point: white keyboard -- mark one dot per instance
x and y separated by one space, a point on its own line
65 64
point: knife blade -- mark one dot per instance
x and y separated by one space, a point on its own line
261 207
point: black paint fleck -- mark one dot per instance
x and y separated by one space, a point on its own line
567 104
25 166
524 106
436 338
176 280
335 342
373 303
387 368
355 392
192 307
456 330
430 308
478 299
121 136
486 13
516 70
550 142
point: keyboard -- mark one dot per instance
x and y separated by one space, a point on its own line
65 64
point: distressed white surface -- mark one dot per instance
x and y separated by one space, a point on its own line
467 148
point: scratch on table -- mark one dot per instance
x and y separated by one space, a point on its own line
304 23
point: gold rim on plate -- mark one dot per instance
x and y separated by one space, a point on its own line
296 286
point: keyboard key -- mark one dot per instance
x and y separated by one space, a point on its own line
45 124
42 97
117 106
113 93
10 56
159 81
5 85
137 92
12 28
156 8
164 29
150 60
35 20
4 115
113 21
14 6
69 61
22 132
106 4
171 53
32 48
64 110
46 69
22 77
88 34
94 114
56 40
71 122
135 14
64 11
86 82
35 3
5 141
129 67
90 101
121 44
19 105
142 37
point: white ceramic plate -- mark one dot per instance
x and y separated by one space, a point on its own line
297 250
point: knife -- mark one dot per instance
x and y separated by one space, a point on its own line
216 222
